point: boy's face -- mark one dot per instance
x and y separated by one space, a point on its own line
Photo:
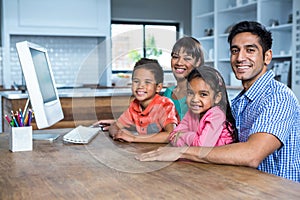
144 86
182 64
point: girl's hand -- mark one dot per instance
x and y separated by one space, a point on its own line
124 135
175 137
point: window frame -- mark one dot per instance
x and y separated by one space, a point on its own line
144 24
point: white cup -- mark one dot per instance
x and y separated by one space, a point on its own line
20 139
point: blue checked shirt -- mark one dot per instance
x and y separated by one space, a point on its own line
271 107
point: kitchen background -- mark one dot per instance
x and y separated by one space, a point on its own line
77 34
69 50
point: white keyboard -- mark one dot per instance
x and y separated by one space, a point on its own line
81 135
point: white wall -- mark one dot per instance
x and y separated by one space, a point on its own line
154 10
72 30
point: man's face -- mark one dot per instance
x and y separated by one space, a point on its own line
246 58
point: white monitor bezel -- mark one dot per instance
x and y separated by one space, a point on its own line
46 114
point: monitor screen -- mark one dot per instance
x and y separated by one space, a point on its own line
43 75
40 84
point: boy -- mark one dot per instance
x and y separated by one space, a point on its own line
151 115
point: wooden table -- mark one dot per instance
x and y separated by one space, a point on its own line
106 169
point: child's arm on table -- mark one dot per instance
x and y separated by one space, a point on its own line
104 124
114 129
161 137
176 137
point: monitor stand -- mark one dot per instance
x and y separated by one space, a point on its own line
41 136
45 136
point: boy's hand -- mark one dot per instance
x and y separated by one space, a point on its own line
104 124
124 135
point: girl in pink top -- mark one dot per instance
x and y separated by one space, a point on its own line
209 121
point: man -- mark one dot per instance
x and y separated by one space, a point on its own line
266 113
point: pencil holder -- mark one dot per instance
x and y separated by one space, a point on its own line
20 139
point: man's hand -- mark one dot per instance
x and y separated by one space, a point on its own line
162 154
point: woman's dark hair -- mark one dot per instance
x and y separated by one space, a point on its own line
190 46
215 80
265 36
153 66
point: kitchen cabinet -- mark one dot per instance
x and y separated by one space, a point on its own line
57 19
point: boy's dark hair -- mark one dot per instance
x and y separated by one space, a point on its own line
151 65
214 79
191 46
265 36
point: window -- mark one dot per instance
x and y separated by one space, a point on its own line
132 41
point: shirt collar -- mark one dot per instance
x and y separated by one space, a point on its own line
138 109
258 87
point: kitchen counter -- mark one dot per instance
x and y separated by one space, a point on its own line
75 92
81 106
97 92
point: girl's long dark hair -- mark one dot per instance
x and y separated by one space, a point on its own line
214 79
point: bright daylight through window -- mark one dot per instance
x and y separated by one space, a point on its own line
130 42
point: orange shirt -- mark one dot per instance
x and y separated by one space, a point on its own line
159 113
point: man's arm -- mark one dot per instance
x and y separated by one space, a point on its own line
250 153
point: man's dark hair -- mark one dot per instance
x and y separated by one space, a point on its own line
265 36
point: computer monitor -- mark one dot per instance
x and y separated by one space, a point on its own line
40 85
